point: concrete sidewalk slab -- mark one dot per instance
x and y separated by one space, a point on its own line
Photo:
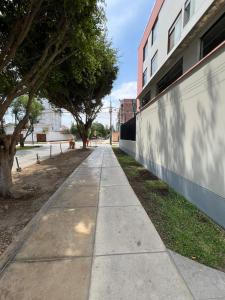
85 179
110 161
119 196
113 176
89 171
125 230
81 196
92 164
136 276
55 280
204 282
61 233
65 255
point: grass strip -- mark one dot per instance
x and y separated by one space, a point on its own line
181 225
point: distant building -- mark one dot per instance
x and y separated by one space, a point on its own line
115 136
48 128
50 119
127 110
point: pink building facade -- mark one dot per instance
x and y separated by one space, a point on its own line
151 22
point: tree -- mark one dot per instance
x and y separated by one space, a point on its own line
36 37
74 131
82 93
19 109
98 130
22 14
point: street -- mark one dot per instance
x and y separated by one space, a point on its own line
29 157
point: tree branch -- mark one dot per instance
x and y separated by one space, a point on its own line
19 33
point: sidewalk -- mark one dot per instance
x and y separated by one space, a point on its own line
92 240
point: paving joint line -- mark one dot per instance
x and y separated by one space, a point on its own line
218 298
114 185
181 275
120 206
48 259
131 253
94 240
70 208
131 205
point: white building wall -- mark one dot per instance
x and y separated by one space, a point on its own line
128 147
181 137
51 136
49 119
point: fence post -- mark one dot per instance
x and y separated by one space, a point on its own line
38 160
50 151
18 169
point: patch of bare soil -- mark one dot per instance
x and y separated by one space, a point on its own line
32 188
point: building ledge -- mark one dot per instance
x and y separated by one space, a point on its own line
193 69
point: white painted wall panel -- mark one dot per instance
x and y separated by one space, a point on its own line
184 131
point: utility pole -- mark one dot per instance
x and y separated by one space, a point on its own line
110 114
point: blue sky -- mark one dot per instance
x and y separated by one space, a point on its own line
126 21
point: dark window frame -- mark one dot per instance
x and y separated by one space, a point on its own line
210 30
187 18
146 98
173 74
172 29
145 49
154 32
154 56
145 74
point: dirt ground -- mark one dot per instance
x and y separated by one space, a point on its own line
32 188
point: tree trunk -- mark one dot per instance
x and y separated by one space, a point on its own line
6 163
22 142
83 132
84 139
84 136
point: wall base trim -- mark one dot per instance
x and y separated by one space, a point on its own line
207 201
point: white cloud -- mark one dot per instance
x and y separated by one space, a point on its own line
126 90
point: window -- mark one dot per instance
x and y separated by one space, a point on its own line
187 11
213 37
145 77
154 31
146 98
172 75
154 63
145 51
174 33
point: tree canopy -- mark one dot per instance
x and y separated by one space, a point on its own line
99 130
57 30
80 84
36 38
